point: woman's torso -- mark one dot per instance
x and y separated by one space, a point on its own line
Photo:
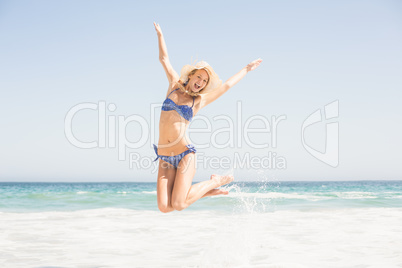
172 126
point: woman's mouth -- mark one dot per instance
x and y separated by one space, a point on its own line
197 86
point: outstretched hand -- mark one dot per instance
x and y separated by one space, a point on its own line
158 28
253 65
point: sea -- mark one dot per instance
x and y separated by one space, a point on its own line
259 224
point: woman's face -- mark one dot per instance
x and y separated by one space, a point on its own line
198 80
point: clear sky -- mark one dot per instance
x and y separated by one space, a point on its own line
55 55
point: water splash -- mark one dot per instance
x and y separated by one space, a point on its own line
252 197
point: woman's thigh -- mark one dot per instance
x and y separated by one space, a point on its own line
184 178
164 185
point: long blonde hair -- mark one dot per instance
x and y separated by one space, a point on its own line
180 84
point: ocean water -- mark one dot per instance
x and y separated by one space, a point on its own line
259 224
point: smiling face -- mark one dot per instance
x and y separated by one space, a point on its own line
198 81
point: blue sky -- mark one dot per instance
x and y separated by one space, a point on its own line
57 54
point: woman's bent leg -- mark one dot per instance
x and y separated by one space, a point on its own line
184 193
164 186
196 190
214 192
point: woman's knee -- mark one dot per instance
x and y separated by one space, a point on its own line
165 209
178 205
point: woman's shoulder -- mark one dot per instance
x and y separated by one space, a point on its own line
172 87
175 84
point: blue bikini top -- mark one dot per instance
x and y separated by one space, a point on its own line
184 110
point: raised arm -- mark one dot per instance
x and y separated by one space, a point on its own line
171 74
216 93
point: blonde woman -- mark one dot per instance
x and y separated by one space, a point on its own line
196 87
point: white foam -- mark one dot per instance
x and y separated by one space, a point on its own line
274 195
149 192
312 197
355 195
110 237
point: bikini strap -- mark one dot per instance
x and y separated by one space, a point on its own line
172 92
156 151
193 102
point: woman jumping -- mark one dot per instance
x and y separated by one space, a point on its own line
196 87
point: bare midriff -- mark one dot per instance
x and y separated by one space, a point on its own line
172 133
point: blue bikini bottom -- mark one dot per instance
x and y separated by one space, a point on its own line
175 159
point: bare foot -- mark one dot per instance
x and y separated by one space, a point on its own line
222 180
216 192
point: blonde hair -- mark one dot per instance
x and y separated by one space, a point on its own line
182 84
